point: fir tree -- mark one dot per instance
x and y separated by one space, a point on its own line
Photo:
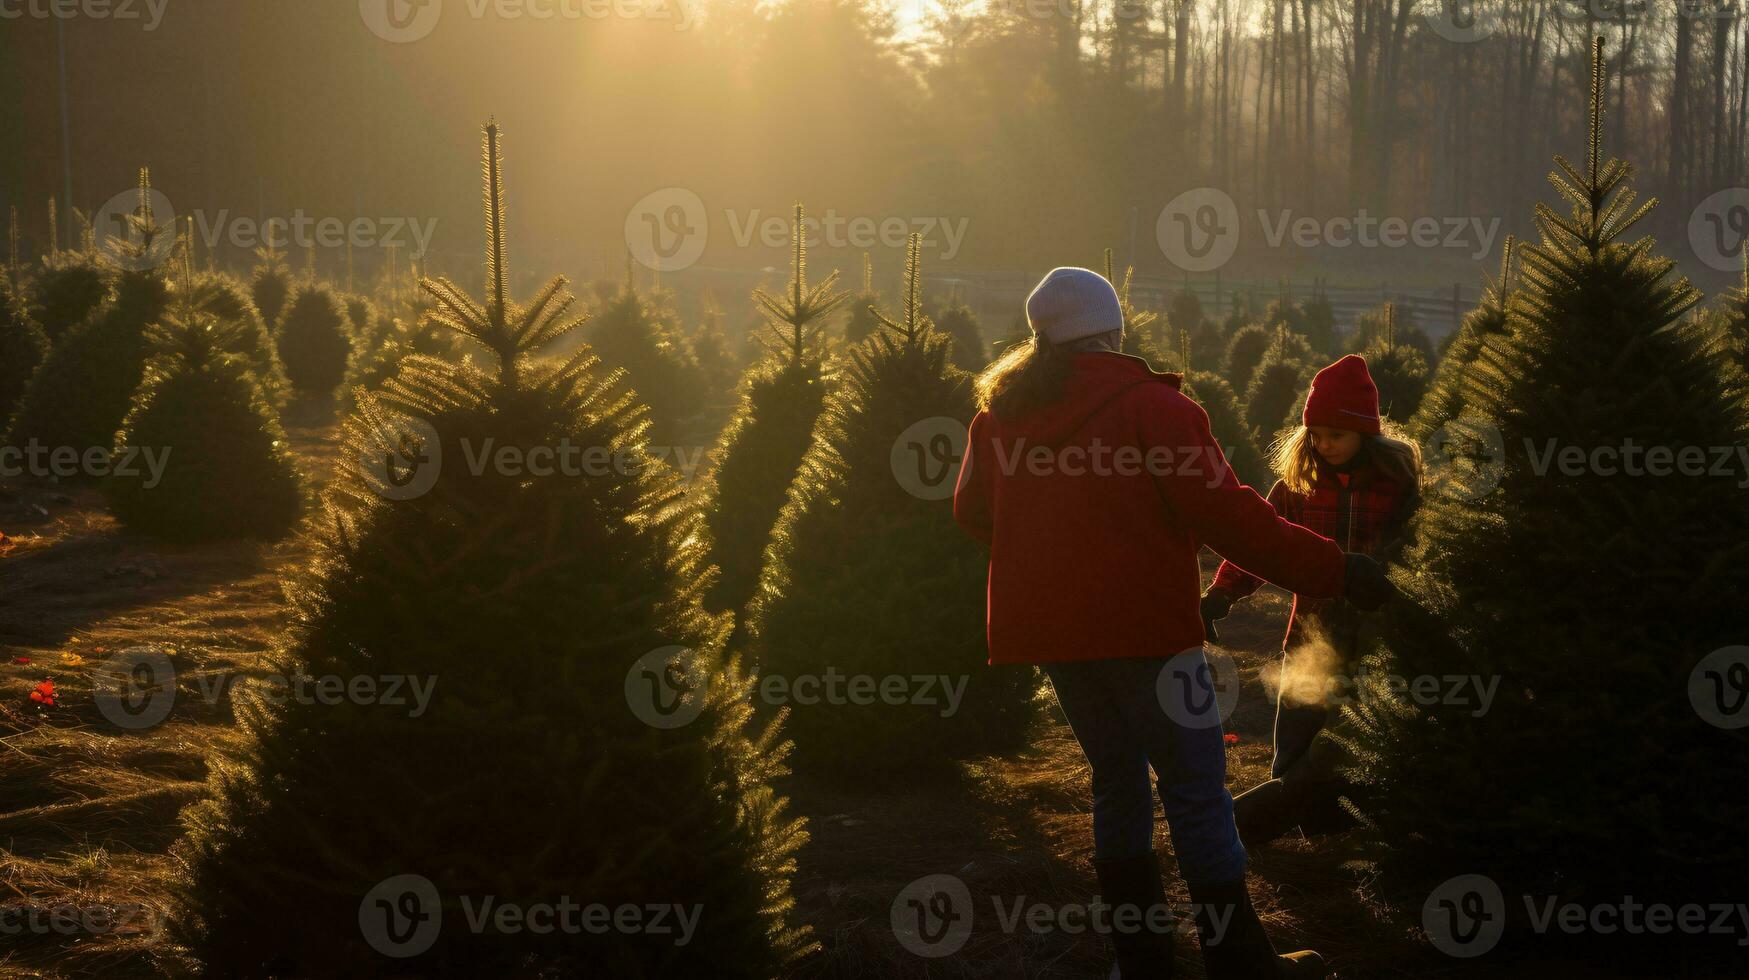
527 599
632 333
716 359
1184 313
228 300
23 347
80 394
1399 371
67 290
763 444
270 284
859 319
957 320
1226 421
1445 397
314 339
1277 388
1248 348
1138 325
227 470
867 577
1731 316
1319 320
1369 331
361 315
1590 597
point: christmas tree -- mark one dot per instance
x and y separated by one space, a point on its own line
1399 371
763 444
1369 331
228 300
314 339
867 578
1591 595
68 288
23 346
1278 387
1245 350
717 359
1226 421
548 614
226 469
77 398
1138 325
1319 322
957 320
1445 397
859 319
633 333
270 284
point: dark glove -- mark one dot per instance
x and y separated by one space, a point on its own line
1215 605
1365 584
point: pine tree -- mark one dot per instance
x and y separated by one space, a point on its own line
1731 317
1184 313
23 347
865 577
957 320
859 319
1226 421
65 292
716 359
270 284
314 339
1590 596
633 333
227 470
1369 330
762 446
1248 348
361 315
1277 388
527 598
228 300
1399 371
80 394
1138 325
1319 319
1445 397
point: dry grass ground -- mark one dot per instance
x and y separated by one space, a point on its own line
88 810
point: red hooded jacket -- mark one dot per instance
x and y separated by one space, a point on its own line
1094 508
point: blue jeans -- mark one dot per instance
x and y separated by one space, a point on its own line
1116 711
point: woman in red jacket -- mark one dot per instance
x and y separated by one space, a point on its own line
1095 482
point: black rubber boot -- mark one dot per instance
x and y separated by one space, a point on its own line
1133 884
1265 812
1234 945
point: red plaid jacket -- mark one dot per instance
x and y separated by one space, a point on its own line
1365 514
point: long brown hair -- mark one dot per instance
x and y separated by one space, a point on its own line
1028 375
1295 461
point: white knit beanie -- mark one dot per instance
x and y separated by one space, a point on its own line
1070 303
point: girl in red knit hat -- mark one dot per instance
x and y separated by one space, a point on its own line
1343 474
